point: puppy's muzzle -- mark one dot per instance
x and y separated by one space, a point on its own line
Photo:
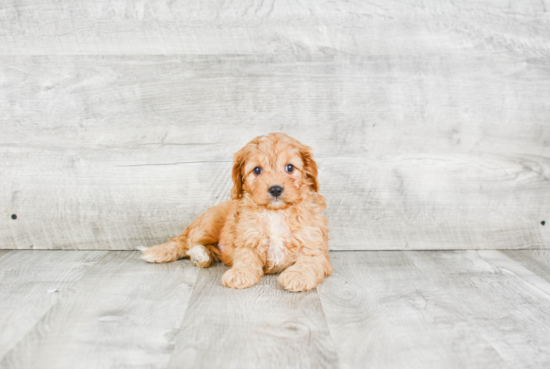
275 191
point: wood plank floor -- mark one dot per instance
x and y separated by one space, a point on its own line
380 309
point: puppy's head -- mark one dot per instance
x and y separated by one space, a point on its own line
275 171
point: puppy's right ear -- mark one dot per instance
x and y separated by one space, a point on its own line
237 174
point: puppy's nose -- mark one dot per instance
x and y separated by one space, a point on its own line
275 191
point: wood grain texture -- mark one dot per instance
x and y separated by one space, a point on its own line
507 303
537 261
31 283
32 27
135 147
119 119
460 309
123 313
260 327
385 312
380 309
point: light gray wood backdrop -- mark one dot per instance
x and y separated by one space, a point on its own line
430 120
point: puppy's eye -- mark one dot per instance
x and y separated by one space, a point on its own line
289 168
257 171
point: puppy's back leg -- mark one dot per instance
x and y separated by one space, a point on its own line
200 255
169 251
196 241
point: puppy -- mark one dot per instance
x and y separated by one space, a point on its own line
273 222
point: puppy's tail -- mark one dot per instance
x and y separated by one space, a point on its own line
172 250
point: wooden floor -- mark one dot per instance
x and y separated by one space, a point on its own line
380 309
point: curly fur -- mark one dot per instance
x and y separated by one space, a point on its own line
255 232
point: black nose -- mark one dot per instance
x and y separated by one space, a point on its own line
275 191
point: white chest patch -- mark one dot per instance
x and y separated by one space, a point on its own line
276 227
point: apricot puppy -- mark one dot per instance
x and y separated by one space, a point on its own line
273 222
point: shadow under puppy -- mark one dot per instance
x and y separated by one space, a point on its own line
273 222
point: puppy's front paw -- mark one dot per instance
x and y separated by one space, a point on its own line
240 278
297 280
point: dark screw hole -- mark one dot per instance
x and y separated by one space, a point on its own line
13 216
543 222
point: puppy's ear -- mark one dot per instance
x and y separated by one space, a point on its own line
238 163
310 168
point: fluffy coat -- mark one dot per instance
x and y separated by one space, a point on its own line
255 232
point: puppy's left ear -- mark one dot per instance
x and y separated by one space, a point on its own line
310 168
238 163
